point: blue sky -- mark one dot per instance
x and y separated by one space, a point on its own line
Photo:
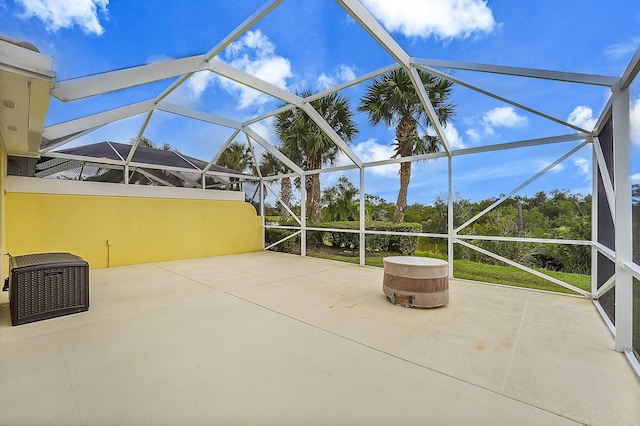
313 44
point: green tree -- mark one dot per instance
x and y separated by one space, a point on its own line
381 209
271 166
148 143
236 157
307 145
342 202
392 99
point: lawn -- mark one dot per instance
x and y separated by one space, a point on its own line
464 269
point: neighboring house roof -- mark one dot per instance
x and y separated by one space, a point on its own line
120 151
171 168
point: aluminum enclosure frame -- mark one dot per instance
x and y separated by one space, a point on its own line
617 191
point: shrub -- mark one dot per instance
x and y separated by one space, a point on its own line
271 235
405 244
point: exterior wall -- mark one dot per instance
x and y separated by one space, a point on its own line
113 230
3 171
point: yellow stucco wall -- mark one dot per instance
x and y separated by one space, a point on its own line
133 229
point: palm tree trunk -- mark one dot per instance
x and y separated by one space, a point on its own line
406 128
285 197
308 187
401 204
317 203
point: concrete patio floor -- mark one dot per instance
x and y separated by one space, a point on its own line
268 338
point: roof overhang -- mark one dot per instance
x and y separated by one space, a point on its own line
26 80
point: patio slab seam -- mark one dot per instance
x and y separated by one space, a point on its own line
69 382
515 345
389 354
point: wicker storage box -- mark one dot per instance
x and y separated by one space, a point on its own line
47 285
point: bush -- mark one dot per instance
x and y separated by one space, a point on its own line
271 235
405 244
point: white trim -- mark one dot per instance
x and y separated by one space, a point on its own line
597 80
92 85
633 268
606 251
629 74
96 120
608 285
521 144
635 364
362 16
525 239
604 174
605 317
20 184
451 233
429 109
622 219
283 240
363 241
328 130
26 62
594 221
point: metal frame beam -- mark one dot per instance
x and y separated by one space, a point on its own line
502 99
84 87
623 219
596 80
96 120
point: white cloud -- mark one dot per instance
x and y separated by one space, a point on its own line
453 137
440 18
474 134
622 50
57 14
635 177
582 116
503 117
370 151
325 81
584 167
254 54
344 73
493 119
198 83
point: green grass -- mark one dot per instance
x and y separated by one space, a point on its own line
497 274
508 275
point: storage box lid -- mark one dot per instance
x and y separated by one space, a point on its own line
42 258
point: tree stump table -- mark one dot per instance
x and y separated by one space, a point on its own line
416 282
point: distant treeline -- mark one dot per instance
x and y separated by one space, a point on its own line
558 214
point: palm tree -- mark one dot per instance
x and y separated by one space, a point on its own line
236 157
148 143
304 142
270 166
393 100
342 202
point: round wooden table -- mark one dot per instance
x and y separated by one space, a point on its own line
416 282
